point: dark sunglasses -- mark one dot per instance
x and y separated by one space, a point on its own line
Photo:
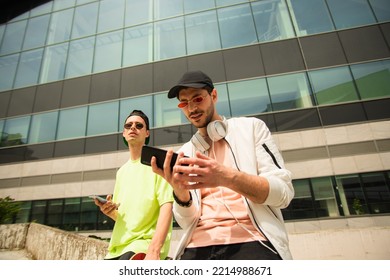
195 100
138 125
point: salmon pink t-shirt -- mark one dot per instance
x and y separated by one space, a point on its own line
224 218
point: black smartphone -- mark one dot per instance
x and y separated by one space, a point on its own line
101 199
148 152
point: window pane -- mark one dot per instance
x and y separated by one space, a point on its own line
71 214
377 193
310 16
29 68
43 127
272 20
350 13
108 54
167 8
138 11
38 210
228 2
381 9
198 5
103 118
301 207
289 92
60 26
85 20
72 123
169 38
249 97
223 107
111 15
7 70
80 57
145 104
166 112
351 195
23 215
333 85
202 32
138 45
53 66
62 4
54 213
36 32
236 26
13 37
372 79
326 204
42 9
15 131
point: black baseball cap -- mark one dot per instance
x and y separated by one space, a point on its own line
192 79
141 114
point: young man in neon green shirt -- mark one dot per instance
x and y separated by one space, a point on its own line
141 205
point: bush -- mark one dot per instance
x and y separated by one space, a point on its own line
8 209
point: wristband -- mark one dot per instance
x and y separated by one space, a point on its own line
181 203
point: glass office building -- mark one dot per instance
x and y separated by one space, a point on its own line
316 71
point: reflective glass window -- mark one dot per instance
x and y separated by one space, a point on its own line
54 61
144 103
111 15
333 85
138 45
88 214
29 68
54 213
23 215
85 20
71 216
377 193
138 11
2 30
43 127
36 32
13 37
72 123
80 57
236 26
8 66
15 131
108 52
324 197
2 133
228 2
381 9
351 195
302 206
289 92
38 210
63 4
223 106
249 97
272 20
79 2
310 16
350 13
167 8
372 79
191 6
169 38
42 9
103 118
166 112
60 26
202 33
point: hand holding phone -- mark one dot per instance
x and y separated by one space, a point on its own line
100 199
160 154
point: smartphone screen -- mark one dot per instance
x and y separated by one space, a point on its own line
148 152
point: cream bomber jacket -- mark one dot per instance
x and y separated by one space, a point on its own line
256 153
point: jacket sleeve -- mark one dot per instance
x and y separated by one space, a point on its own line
270 165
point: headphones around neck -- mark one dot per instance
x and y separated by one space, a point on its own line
216 130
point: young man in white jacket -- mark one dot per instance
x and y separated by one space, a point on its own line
229 182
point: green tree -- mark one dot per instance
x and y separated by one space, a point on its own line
8 209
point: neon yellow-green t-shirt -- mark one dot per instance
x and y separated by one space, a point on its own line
140 193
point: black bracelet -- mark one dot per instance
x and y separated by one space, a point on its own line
181 203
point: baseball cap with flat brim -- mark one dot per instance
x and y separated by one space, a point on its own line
191 79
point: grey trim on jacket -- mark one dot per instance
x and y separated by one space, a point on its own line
248 135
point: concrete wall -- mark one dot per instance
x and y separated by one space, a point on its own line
358 238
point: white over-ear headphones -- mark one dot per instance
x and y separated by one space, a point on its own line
216 130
